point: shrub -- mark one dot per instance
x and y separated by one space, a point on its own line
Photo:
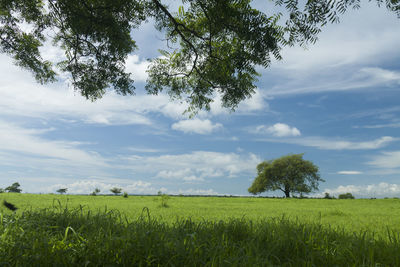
346 196
164 200
125 195
328 196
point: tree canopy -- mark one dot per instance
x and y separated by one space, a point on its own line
289 174
62 190
14 188
213 46
116 190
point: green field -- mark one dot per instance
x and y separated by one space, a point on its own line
197 231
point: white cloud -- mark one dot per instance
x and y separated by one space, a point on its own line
88 186
343 80
349 172
192 179
199 164
251 105
380 75
21 95
378 126
388 160
279 130
347 56
174 174
371 190
27 141
196 192
196 126
144 150
331 144
137 68
368 35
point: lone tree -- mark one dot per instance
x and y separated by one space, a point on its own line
116 190
212 46
96 191
14 188
290 174
62 190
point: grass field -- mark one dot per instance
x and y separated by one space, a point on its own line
70 230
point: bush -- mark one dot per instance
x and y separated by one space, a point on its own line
125 195
164 200
346 196
328 196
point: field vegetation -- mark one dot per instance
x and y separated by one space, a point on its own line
69 230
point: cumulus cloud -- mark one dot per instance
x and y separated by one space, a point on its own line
250 105
372 190
88 186
199 164
279 130
132 187
197 126
349 172
137 68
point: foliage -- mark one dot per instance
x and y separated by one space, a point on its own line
2 190
116 190
62 190
214 47
164 198
14 188
290 174
328 196
125 195
346 196
68 237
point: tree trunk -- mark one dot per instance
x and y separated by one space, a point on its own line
287 192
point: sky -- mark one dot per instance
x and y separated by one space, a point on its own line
336 101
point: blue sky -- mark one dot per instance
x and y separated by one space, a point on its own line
337 102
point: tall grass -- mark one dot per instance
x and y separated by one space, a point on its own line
62 236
